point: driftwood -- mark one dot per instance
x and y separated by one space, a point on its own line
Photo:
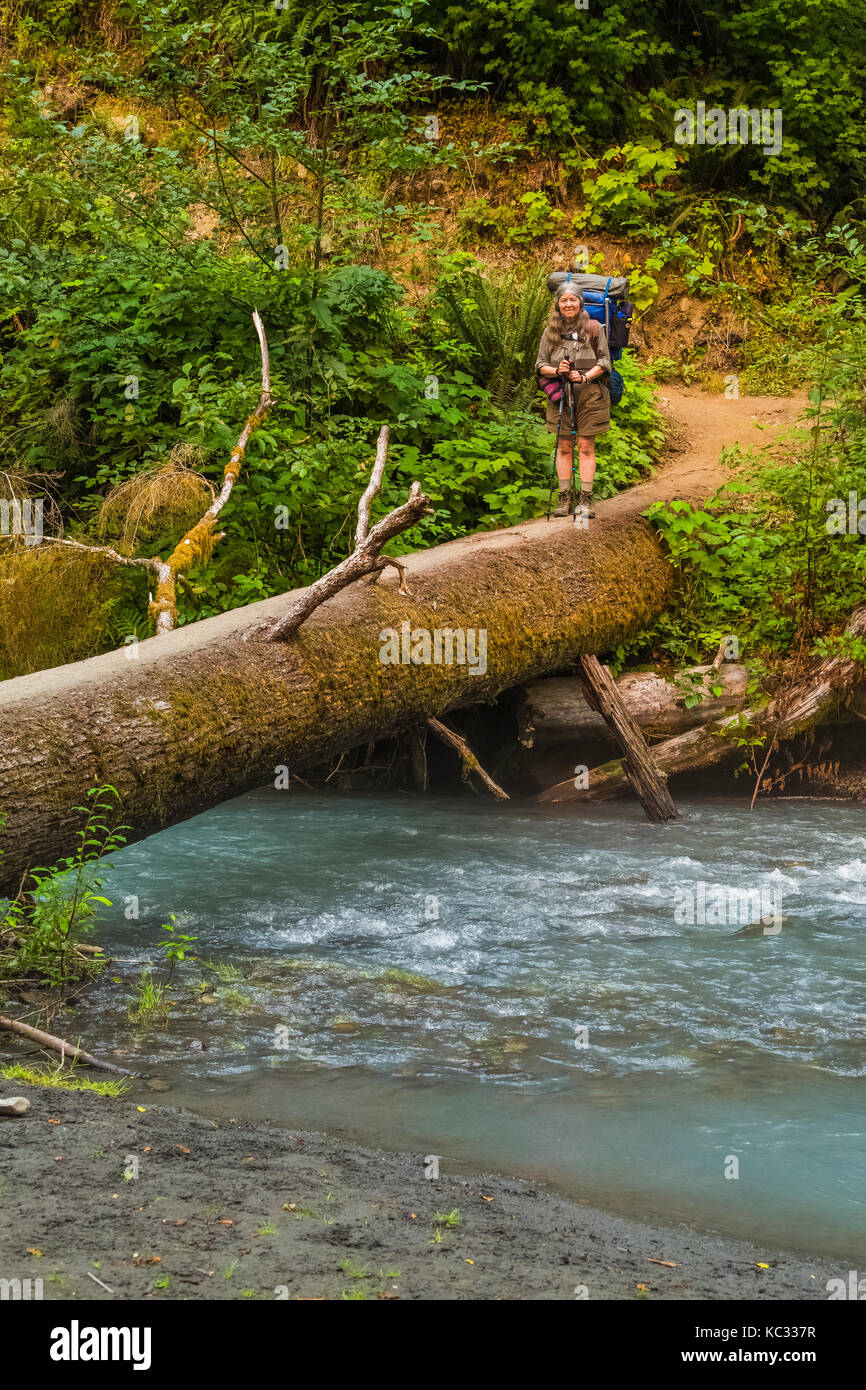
467 757
366 558
12 1025
14 1106
811 700
556 710
640 767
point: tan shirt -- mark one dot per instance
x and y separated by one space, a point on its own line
582 357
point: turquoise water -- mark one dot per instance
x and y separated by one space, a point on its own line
567 1021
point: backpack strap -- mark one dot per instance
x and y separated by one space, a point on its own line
594 331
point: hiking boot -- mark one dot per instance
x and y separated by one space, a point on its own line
564 504
584 504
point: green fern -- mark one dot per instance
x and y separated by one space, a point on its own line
499 323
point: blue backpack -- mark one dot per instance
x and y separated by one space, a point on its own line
605 298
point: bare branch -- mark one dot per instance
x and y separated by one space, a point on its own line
12 1025
373 487
467 757
364 559
106 550
198 542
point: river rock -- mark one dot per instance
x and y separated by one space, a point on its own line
13 1107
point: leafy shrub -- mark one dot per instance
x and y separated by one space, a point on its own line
623 196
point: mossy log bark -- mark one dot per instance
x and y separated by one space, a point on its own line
184 721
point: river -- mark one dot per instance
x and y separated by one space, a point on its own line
576 997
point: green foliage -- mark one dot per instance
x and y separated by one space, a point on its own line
41 927
606 75
177 946
499 322
63 1078
626 195
776 557
632 445
531 218
150 1005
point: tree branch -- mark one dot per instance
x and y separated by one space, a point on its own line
365 558
467 757
65 1049
198 543
373 487
106 550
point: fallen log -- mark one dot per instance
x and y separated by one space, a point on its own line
180 722
640 767
556 710
12 1025
817 696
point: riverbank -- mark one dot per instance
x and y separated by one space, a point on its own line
231 1210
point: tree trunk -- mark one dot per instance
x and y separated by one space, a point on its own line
181 722
555 710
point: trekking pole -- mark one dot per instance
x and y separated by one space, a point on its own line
575 462
554 475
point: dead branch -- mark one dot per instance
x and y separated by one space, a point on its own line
65 1049
373 487
467 757
198 542
365 559
110 554
648 780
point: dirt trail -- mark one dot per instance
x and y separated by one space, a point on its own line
702 425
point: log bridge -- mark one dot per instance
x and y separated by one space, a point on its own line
180 722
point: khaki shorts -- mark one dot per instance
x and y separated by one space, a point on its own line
591 411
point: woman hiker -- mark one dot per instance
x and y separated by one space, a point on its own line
573 346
